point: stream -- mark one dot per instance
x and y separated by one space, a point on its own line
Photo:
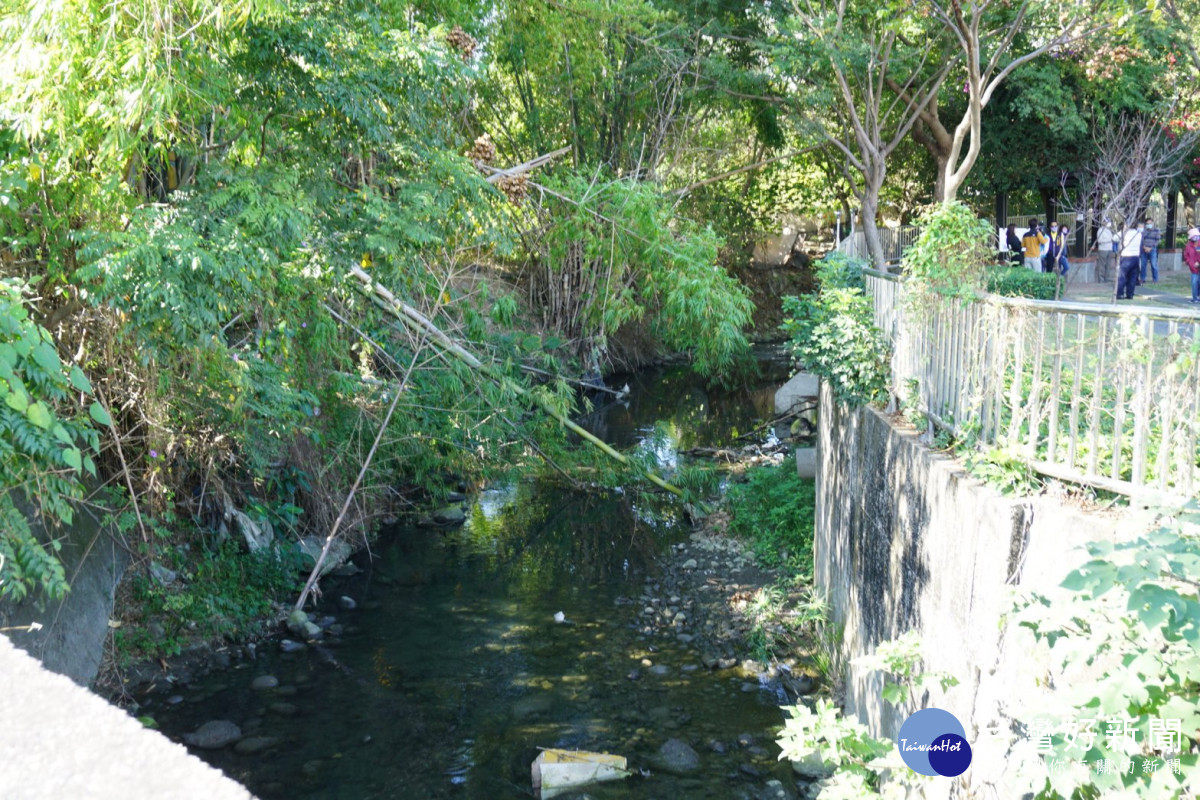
452 670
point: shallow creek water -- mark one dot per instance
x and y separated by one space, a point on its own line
452 671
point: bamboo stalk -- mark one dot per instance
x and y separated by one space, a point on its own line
414 319
495 174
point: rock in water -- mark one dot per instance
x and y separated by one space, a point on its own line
264 682
677 757
255 744
214 735
775 790
450 515
296 621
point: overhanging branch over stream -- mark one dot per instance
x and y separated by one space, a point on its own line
418 322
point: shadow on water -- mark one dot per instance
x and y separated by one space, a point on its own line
454 671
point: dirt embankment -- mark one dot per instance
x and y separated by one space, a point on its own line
768 284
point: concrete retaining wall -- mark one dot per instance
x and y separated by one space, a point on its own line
74 629
906 540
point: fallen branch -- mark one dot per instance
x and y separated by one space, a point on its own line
576 381
735 454
496 174
776 420
418 322
337 523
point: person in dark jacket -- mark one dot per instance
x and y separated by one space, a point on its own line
1057 249
1016 251
1149 254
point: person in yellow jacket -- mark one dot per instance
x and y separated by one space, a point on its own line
1033 241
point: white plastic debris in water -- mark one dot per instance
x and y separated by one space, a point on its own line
560 617
559 771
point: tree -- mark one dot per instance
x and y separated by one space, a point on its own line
986 33
1135 154
864 49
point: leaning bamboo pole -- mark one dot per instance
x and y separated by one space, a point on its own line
418 322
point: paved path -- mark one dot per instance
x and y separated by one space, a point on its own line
58 741
1173 290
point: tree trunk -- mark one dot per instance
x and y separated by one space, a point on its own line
870 208
933 136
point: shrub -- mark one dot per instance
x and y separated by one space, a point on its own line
47 443
834 336
1010 281
776 510
840 271
950 254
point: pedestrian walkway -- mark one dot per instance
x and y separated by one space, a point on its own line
1173 290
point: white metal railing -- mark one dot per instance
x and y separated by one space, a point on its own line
895 242
1107 396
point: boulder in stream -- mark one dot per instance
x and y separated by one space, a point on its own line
445 517
214 735
677 757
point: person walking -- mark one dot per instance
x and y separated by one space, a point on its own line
1131 245
1032 243
1191 257
1056 255
1105 249
1015 249
1149 254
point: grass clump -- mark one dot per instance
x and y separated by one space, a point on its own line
216 593
775 509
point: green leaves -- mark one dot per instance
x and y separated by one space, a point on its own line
950 255
1128 634
833 335
43 438
39 415
97 413
776 510
617 256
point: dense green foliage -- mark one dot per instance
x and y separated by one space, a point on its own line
1009 281
775 510
616 257
185 196
47 444
220 593
950 255
833 333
